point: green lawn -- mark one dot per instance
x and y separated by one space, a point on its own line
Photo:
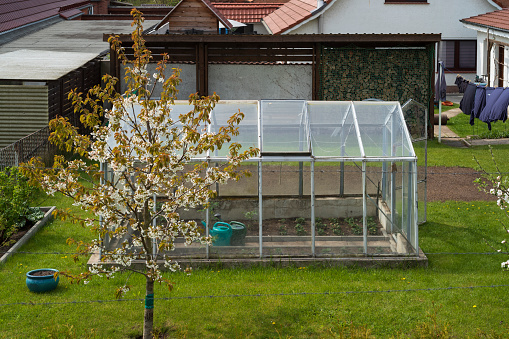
297 302
460 125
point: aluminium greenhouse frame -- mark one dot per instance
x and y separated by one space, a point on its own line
326 131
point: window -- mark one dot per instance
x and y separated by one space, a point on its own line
459 55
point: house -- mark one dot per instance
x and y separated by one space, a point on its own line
457 48
192 17
492 45
249 13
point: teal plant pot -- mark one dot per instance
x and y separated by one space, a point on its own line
42 280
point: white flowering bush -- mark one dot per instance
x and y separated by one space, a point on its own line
497 184
150 158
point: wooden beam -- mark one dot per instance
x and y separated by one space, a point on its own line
296 38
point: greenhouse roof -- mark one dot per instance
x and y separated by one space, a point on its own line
300 130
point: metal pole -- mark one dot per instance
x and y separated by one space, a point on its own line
440 66
415 224
410 198
207 221
260 208
154 224
101 182
364 208
106 240
313 223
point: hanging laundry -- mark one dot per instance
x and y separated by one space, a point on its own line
492 101
499 110
480 101
492 95
441 85
467 102
485 113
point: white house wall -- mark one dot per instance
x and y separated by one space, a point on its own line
259 28
244 82
375 16
498 38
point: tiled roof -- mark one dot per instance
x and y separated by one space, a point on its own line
17 13
497 19
246 12
289 15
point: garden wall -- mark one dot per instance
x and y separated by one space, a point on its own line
244 82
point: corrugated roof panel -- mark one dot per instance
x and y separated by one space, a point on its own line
14 14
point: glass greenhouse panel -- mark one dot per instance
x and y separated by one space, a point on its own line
284 126
383 129
248 127
333 130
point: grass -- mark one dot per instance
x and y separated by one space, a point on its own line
460 125
444 155
305 312
298 302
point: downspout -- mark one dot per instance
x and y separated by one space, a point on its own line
319 5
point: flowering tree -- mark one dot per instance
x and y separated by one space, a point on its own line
496 184
149 152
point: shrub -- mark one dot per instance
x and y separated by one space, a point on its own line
15 197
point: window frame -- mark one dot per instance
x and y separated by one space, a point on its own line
457 57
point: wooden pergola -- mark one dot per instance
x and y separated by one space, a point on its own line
203 50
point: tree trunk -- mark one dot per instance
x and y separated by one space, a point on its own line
148 321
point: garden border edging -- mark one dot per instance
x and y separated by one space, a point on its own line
48 215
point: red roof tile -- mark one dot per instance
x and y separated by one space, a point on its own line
246 12
289 15
497 19
17 13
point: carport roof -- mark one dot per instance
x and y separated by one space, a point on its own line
40 65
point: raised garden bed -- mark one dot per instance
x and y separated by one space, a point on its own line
24 234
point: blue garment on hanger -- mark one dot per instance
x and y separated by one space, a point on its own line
467 102
479 101
441 85
499 110
485 113
491 99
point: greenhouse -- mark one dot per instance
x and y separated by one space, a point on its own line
332 180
